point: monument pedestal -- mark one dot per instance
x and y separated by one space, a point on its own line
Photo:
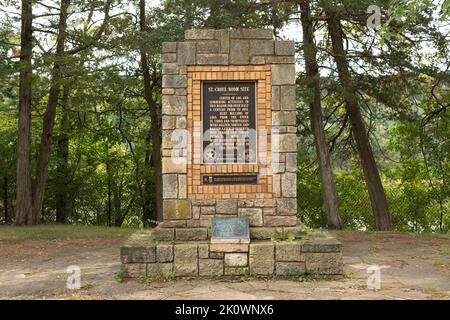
229 149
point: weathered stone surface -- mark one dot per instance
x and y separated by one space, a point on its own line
278 221
283 118
174 105
226 206
216 255
159 269
203 250
224 38
164 253
239 52
324 262
236 260
291 162
276 97
174 81
254 215
160 233
189 234
246 203
170 186
169 47
193 223
175 209
208 46
283 74
168 57
172 224
251 34
287 206
322 245
228 247
135 270
276 185
186 53
262 258
209 202
284 48
195 212
257 60
261 233
200 34
280 59
289 184
174 165
208 210
261 47
265 203
173 139
169 68
288 251
182 186
287 143
186 260
212 59
138 254
169 122
269 211
290 268
288 98
210 267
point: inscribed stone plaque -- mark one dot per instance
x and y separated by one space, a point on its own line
230 228
229 121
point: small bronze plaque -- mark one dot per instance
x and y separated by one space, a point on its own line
230 179
230 228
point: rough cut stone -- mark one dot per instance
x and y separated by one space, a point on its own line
200 34
257 60
284 48
276 185
135 270
169 47
174 165
288 251
209 46
289 184
265 203
186 260
208 210
276 97
324 262
261 47
164 253
290 268
283 74
186 53
254 215
175 209
182 192
287 206
174 81
138 254
280 59
239 52
322 245
189 234
288 98
168 57
210 267
212 59
291 162
170 186
216 255
236 271
169 68
174 105
283 118
203 250
210 202
287 143
159 269
236 259
228 247
279 221
172 224
160 233
251 34
262 258
226 207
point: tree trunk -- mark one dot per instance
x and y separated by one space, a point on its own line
23 188
155 120
147 202
314 96
369 166
62 150
5 199
49 117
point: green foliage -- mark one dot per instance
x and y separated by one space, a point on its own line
283 235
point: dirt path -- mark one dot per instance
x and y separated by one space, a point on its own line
412 267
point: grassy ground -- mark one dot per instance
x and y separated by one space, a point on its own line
60 232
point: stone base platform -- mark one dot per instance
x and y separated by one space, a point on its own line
143 255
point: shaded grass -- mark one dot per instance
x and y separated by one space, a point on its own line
61 232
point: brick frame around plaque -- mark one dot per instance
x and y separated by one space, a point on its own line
248 55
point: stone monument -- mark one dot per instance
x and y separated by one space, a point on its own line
229 163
